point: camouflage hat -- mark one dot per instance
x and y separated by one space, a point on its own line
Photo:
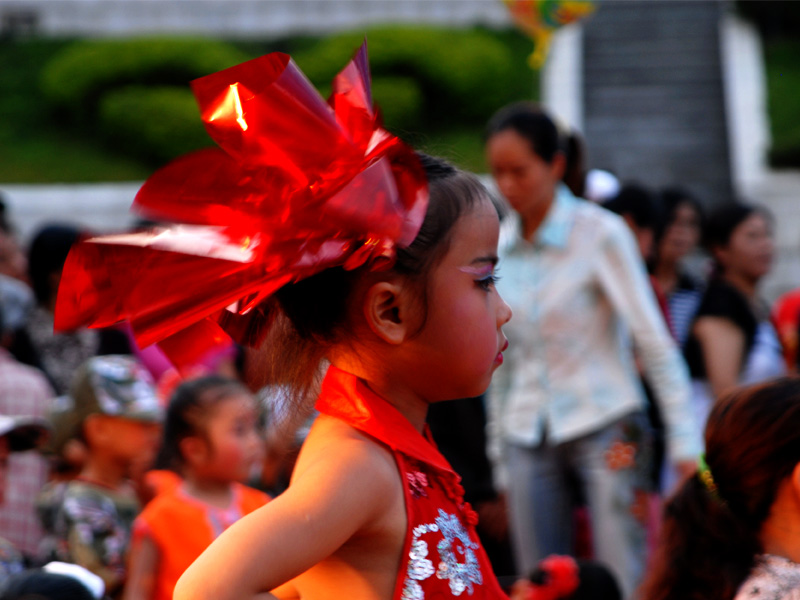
24 433
113 385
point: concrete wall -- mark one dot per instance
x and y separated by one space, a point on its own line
238 18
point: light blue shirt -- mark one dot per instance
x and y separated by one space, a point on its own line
581 295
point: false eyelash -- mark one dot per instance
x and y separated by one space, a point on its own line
489 281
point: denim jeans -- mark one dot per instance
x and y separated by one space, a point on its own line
610 467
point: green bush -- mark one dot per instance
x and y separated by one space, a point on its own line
156 124
78 76
783 88
400 101
464 75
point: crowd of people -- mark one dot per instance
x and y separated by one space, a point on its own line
637 326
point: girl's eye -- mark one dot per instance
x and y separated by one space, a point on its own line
488 282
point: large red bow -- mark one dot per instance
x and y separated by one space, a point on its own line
299 185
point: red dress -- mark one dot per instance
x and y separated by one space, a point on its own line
442 556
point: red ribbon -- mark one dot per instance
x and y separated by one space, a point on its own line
296 186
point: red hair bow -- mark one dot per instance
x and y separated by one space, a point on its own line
298 185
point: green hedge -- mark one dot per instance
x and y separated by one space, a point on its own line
400 101
153 123
78 76
783 88
463 75
133 96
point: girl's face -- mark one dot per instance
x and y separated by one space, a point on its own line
682 235
461 343
234 441
749 250
524 178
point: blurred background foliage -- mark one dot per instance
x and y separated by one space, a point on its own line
114 110
778 21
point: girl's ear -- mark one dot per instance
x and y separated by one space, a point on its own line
194 450
387 312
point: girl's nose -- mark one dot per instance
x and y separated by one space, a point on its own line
504 313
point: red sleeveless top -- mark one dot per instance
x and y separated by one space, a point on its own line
442 555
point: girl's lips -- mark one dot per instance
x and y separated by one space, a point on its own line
499 358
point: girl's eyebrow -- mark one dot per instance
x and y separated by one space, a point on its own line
491 259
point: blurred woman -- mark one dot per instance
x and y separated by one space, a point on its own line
732 340
568 405
675 239
733 529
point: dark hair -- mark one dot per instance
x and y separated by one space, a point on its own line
710 540
531 122
311 315
47 253
670 200
37 584
723 221
187 413
575 169
638 202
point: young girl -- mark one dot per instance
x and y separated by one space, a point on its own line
373 510
326 233
733 529
211 439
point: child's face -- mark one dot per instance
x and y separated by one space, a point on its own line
462 341
132 442
235 444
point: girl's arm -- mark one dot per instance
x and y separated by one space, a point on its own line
142 568
336 493
722 345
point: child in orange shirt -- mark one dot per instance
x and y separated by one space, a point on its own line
211 439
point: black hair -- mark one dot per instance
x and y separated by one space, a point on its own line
37 584
670 200
531 122
310 316
575 169
710 538
47 253
188 410
639 203
723 221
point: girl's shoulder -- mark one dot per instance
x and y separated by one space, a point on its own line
335 445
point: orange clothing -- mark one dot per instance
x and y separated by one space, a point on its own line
181 527
159 481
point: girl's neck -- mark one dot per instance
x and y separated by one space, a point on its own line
210 491
666 273
745 285
395 392
411 406
104 472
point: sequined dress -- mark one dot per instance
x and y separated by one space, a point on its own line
443 557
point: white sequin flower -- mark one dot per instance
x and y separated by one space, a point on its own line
456 541
419 566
